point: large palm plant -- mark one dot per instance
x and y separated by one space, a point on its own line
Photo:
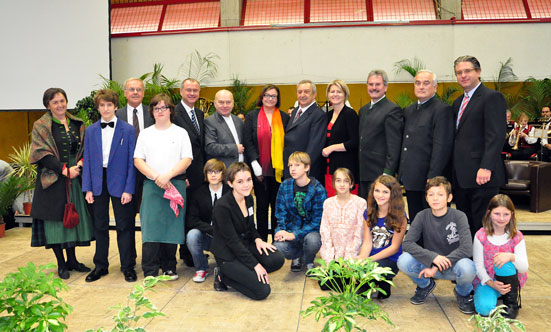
201 68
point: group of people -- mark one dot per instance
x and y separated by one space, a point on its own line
522 139
190 178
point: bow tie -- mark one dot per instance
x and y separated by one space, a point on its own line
105 124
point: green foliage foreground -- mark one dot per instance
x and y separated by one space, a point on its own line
344 306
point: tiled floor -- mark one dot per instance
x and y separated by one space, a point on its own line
197 307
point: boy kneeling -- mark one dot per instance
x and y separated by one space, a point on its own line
447 248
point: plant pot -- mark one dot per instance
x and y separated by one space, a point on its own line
27 206
2 230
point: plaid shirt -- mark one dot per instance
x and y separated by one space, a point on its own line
287 215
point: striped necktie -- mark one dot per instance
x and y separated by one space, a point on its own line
463 106
194 121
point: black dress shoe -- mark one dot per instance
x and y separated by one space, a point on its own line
218 284
130 275
79 267
63 273
96 274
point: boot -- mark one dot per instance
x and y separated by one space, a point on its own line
511 299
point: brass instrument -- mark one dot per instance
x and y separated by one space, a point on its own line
520 129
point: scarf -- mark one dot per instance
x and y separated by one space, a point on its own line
175 198
270 142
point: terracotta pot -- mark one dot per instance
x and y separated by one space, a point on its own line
27 206
2 230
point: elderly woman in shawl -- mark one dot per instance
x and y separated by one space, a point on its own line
57 147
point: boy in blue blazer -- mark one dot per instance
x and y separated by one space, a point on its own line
108 174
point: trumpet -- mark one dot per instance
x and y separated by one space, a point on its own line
520 129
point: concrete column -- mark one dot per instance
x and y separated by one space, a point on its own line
449 9
230 12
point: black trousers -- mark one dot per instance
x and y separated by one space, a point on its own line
244 280
522 153
474 203
416 203
364 188
266 194
157 255
545 154
125 227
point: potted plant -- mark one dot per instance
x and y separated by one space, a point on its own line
495 322
29 301
10 188
344 306
22 168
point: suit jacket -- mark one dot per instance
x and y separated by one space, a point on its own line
233 233
219 141
194 172
479 138
250 133
121 176
147 119
426 144
380 139
344 130
307 134
200 209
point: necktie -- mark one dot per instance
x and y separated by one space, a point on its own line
105 124
463 106
299 113
135 122
215 199
418 106
194 121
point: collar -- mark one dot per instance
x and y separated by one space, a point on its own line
186 107
114 120
373 103
471 93
307 107
421 103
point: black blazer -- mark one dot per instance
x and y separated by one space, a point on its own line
200 209
380 139
479 138
250 140
426 144
194 172
233 233
147 119
307 134
344 130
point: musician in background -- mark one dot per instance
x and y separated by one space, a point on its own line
545 145
510 127
522 139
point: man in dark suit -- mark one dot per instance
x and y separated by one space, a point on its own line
478 170
427 141
224 131
381 124
191 119
108 174
306 130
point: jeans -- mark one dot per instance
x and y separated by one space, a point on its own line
198 241
463 272
485 297
307 248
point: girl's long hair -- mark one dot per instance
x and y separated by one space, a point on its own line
395 216
495 202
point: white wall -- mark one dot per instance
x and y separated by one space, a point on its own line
323 54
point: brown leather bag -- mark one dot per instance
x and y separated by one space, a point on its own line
70 215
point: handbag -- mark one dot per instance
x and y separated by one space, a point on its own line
70 215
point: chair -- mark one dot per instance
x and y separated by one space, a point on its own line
532 179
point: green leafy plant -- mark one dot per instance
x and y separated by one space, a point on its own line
30 301
241 96
138 307
201 68
534 94
408 66
495 322
342 307
85 109
447 94
10 189
20 161
404 99
505 75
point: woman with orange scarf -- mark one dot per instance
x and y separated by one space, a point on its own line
263 140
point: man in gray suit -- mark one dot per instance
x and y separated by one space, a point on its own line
135 112
224 131
381 124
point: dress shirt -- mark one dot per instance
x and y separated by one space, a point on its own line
373 103
218 194
106 139
304 109
231 125
189 111
130 115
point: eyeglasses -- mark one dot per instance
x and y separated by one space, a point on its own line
214 172
267 96
160 109
134 90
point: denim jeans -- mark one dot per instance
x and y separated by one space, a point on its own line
198 241
307 248
463 272
485 297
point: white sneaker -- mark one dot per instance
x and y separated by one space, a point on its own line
173 275
200 276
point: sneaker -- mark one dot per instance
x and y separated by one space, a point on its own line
200 276
421 294
465 303
296 265
173 275
219 285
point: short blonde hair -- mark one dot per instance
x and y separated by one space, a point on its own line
301 157
341 85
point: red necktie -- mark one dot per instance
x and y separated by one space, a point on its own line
463 106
